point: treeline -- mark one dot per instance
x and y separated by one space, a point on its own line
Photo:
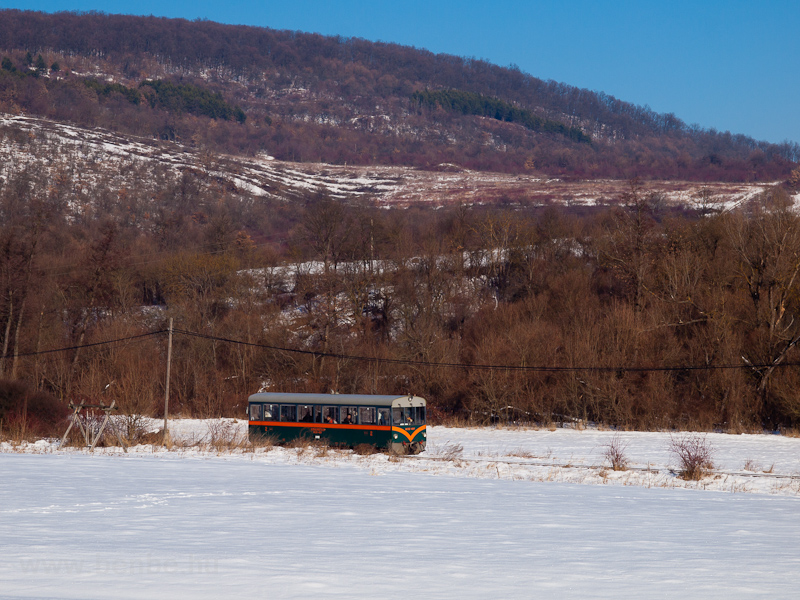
105 90
178 98
468 103
634 316
314 98
185 97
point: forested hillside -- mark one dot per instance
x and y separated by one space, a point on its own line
636 315
623 306
307 97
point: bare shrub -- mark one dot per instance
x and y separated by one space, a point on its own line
615 454
365 449
17 429
30 414
127 429
222 435
694 455
450 451
133 427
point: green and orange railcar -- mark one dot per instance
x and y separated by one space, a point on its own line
396 423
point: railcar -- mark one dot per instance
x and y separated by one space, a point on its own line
396 423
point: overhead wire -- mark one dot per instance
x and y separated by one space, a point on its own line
424 363
482 366
92 344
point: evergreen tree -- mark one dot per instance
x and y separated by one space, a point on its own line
40 65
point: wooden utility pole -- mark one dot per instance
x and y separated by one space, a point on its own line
166 391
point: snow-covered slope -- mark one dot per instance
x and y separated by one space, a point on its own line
98 152
95 153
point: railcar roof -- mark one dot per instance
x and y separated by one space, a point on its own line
338 399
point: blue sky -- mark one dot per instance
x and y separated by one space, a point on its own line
730 65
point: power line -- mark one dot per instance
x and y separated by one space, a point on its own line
425 363
543 369
92 345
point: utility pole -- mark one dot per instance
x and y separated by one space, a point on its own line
166 392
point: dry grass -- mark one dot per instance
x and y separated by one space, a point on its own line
321 449
300 443
15 430
301 446
365 449
521 453
264 442
153 437
754 467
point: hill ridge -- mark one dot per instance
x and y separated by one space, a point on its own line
314 98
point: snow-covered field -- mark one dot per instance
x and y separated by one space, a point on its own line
485 513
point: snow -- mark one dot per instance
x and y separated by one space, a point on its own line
259 177
754 464
167 525
484 512
98 155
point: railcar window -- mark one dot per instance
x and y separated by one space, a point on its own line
271 412
366 415
255 412
408 415
330 414
318 414
288 412
402 415
349 415
306 413
383 416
